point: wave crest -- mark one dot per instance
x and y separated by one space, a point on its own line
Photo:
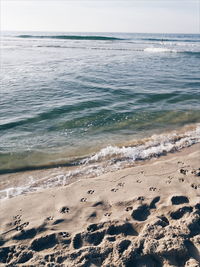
159 50
157 145
71 37
170 40
111 158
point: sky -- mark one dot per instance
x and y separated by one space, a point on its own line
150 16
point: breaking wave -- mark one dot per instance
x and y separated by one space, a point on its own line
99 37
159 50
71 37
148 49
168 50
112 158
170 40
156 146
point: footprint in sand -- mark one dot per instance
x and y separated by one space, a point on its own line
77 242
196 172
17 222
169 180
17 219
108 214
178 214
120 184
128 208
177 200
181 180
25 234
64 210
64 234
195 186
141 198
114 189
152 188
141 213
83 199
94 227
124 228
22 226
138 181
90 192
153 202
50 218
44 242
183 171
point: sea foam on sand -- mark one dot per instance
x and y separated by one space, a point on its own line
108 159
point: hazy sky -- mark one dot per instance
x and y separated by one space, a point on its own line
172 16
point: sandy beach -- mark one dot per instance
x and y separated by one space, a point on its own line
146 215
100 134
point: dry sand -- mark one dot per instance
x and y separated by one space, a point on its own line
147 215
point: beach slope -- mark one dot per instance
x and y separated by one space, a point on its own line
146 215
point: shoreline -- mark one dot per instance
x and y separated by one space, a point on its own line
105 160
13 181
80 155
148 213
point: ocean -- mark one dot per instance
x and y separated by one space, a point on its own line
96 101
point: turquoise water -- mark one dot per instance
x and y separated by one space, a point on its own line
66 96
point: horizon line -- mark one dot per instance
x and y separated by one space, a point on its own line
60 31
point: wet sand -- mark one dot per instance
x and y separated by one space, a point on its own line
147 215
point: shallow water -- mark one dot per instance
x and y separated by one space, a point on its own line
67 96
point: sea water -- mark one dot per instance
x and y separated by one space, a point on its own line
75 99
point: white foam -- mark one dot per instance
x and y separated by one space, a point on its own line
110 158
159 50
158 145
13 191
